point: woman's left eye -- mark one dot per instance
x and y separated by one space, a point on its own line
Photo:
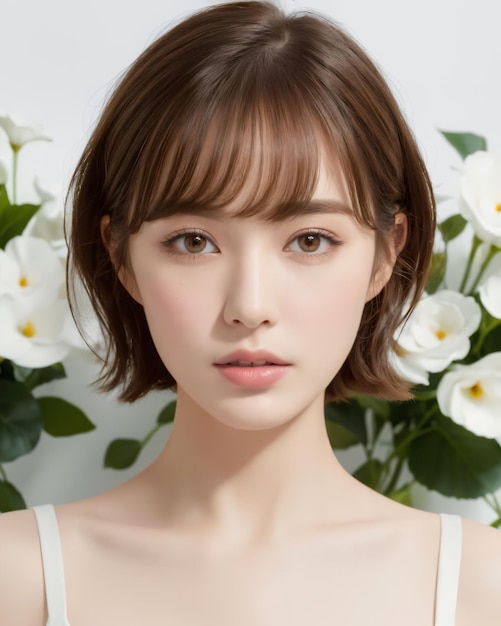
193 242
313 242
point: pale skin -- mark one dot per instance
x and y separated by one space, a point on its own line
246 517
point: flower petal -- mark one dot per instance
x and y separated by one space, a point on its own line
19 135
471 395
490 295
33 337
480 193
438 331
3 173
31 270
48 224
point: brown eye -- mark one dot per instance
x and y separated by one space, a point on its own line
190 243
195 243
313 242
310 242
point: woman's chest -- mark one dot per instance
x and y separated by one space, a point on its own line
319 587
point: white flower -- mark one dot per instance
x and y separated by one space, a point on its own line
3 174
490 295
471 395
45 195
32 337
19 135
436 334
480 189
30 271
48 221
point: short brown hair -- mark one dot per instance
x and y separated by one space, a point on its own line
241 94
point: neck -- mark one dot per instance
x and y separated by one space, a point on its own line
246 486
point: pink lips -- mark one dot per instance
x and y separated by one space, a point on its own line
252 370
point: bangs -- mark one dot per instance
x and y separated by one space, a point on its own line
253 154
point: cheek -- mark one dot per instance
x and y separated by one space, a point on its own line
337 296
166 310
329 317
343 308
175 312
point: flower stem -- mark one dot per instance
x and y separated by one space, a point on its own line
493 502
414 434
399 451
485 328
390 487
2 473
474 246
15 153
150 435
493 250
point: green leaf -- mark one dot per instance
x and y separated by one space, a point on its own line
452 227
62 419
166 415
455 462
7 370
10 498
380 407
4 198
35 377
14 219
340 437
405 412
20 421
402 495
437 272
423 393
465 143
122 453
350 415
492 343
369 473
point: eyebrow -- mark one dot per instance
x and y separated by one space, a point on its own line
321 206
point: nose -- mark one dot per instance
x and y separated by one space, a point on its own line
251 293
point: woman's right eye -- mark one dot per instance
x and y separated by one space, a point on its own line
192 243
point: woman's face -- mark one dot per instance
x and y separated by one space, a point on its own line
254 318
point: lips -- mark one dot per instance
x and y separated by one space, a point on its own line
247 358
250 363
256 370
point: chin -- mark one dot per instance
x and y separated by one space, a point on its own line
258 413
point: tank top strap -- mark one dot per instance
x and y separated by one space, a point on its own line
449 563
52 562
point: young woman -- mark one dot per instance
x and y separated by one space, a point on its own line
251 219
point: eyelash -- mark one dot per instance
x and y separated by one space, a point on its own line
322 234
170 242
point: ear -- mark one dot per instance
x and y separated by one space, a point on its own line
125 275
384 266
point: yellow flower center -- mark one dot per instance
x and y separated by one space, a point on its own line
23 281
498 207
28 330
440 334
476 391
15 146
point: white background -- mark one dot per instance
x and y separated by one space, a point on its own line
60 58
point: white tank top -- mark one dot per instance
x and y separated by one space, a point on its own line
52 560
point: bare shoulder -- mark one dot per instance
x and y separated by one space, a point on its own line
479 600
21 574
